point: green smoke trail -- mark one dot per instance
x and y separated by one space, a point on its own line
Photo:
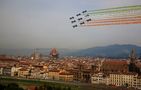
117 10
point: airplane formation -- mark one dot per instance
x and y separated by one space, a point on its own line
110 16
80 19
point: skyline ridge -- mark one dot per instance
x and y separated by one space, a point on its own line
114 50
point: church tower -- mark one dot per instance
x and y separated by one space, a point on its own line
35 55
132 60
132 56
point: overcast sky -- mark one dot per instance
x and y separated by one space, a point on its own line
45 24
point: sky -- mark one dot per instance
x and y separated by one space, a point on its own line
46 24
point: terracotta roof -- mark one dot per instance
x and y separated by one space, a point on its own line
126 73
65 73
23 69
24 62
138 64
8 59
2 66
54 70
115 62
39 66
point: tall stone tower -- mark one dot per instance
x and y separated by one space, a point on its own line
132 56
54 54
35 55
132 60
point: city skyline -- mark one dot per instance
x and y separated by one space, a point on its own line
46 24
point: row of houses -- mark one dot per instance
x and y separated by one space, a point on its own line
29 73
122 78
117 79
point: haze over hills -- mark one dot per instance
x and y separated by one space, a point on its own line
114 51
28 51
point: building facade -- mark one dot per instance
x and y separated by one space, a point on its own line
64 76
128 80
7 71
99 78
53 74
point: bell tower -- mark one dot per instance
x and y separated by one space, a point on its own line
132 56
132 61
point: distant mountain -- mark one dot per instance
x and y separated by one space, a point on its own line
113 51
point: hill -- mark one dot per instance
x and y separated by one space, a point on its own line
114 51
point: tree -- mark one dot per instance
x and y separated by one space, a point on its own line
2 87
13 86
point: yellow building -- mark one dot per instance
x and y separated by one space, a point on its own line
1 70
14 71
128 79
66 76
138 84
23 72
53 74
99 78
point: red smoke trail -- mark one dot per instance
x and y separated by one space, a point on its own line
116 19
